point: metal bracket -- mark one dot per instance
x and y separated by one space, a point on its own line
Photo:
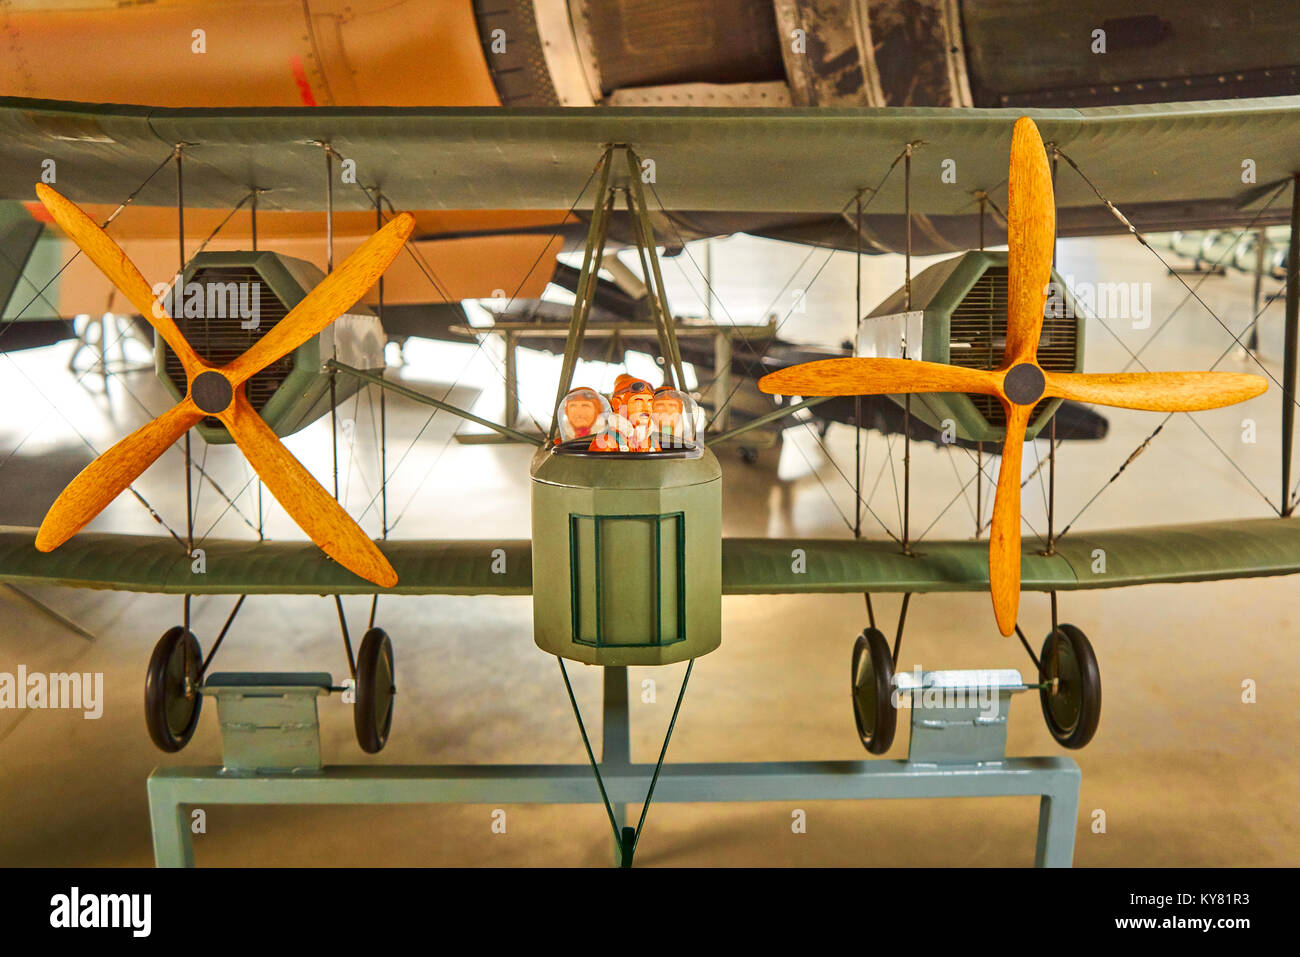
269 722
958 717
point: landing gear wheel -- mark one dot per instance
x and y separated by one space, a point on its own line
873 691
171 689
1073 710
373 713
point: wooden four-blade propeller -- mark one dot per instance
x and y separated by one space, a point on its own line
220 392
1019 382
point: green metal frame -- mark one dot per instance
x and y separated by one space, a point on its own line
1056 780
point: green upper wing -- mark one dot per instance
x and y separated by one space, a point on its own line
750 566
786 160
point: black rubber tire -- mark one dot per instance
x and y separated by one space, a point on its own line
872 677
1073 713
170 714
373 712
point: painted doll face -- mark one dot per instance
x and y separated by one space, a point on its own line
639 406
667 408
582 412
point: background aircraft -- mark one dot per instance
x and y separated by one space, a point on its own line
701 53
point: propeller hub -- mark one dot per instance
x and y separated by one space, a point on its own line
1024 384
211 392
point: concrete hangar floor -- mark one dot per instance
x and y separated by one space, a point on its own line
1182 770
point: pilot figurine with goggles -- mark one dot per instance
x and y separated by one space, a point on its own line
633 402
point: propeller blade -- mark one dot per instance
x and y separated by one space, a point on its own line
333 296
872 376
1004 536
111 473
1031 232
1157 391
114 263
315 511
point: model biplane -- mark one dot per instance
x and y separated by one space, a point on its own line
627 563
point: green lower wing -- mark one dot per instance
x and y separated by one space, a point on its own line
750 566
1208 551
160 565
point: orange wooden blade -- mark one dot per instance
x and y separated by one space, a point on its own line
1004 535
1031 231
872 376
333 296
1158 391
114 263
315 511
111 473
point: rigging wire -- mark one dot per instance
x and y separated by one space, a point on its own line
153 513
760 355
121 381
423 265
4 326
1133 230
756 366
1215 265
478 348
1134 356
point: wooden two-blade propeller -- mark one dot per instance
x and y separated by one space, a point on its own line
1019 382
220 392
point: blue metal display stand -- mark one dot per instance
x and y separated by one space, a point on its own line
956 751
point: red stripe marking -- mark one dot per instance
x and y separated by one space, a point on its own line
300 77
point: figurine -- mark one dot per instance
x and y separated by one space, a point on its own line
669 416
631 425
583 413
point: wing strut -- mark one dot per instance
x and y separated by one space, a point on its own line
609 186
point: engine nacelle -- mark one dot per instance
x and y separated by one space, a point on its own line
959 316
226 301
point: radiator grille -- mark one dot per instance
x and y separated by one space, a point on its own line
977 333
220 340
